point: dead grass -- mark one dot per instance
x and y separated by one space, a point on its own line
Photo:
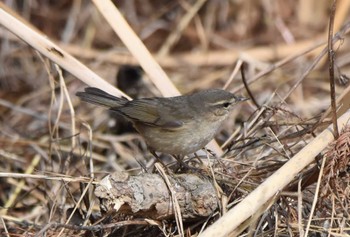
54 149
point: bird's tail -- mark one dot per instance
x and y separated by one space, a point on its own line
99 97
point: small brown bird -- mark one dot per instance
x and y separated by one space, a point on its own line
177 125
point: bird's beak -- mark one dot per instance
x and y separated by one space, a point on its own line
241 99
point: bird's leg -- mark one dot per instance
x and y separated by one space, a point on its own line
182 164
198 158
160 161
157 157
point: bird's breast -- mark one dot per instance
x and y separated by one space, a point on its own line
191 137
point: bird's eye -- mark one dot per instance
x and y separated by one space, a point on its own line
226 105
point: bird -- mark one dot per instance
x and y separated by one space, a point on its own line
178 125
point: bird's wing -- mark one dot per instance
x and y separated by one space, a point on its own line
146 111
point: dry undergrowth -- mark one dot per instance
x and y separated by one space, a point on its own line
54 150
